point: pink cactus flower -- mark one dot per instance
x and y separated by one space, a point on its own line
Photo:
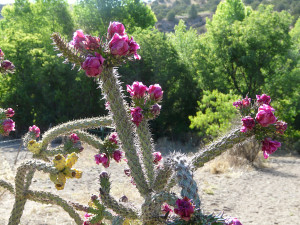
263 99
137 89
238 104
133 47
78 38
7 65
280 127
1 53
102 158
8 126
265 115
113 138
155 109
166 208
234 221
115 27
74 138
155 92
117 155
248 124
91 43
35 129
9 112
156 157
185 208
269 146
137 116
246 102
119 45
93 65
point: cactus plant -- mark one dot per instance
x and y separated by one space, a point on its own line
100 58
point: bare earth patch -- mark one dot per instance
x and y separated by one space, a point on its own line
262 196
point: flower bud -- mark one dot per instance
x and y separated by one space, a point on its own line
157 157
74 138
280 127
113 138
269 146
93 65
117 155
104 174
155 92
137 116
155 109
7 65
263 99
9 112
137 90
185 208
115 27
8 125
34 129
123 199
78 38
248 124
119 45
91 43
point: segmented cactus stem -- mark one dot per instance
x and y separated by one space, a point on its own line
68 52
7 186
117 207
218 147
90 139
113 93
46 198
64 128
147 148
163 175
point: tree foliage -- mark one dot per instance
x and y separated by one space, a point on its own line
93 16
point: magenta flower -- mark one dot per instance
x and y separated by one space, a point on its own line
269 146
1 53
155 109
234 221
246 102
133 47
78 38
238 104
91 43
107 105
265 115
93 65
185 208
166 208
7 65
156 157
35 129
155 92
280 127
9 112
119 45
137 89
115 27
117 155
263 99
8 126
113 138
74 138
102 158
248 123
137 116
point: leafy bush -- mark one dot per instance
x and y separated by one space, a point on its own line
215 114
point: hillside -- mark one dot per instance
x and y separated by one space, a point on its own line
195 12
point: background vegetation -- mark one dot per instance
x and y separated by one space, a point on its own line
248 48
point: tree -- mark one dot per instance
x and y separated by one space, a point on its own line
193 12
42 90
242 49
94 16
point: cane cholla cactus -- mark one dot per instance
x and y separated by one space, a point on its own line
152 174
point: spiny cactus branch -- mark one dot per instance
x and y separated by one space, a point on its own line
46 198
147 148
163 175
74 125
112 92
91 140
68 52
218 147
117 207
7 186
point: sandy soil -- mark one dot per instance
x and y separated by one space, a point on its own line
257 196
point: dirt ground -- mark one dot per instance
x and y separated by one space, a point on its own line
257 196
